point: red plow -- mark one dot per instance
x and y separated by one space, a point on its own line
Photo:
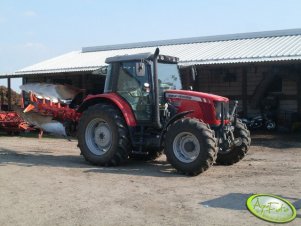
12 123
50 108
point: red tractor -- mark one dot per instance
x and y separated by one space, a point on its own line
143 111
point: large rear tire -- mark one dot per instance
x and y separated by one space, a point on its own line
103 136
237 153
190 146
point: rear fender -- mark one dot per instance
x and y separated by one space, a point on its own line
114 99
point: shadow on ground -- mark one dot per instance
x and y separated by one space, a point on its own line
29 159
237 201
232 201
276 140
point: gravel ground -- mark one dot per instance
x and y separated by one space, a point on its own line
47 182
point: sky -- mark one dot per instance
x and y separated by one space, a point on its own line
33 30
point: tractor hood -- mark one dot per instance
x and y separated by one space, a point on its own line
201 105
195 96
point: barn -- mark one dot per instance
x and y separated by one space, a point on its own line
262 70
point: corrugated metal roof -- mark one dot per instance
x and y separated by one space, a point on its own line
284 45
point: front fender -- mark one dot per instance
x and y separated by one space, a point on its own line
172 120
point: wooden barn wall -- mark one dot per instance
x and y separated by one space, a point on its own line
289 88
227 81
213 81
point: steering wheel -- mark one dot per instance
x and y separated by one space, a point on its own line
135 92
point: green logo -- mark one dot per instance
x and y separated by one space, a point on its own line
271 208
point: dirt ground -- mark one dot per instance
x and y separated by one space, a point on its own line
47 182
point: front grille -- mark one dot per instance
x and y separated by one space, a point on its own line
218 110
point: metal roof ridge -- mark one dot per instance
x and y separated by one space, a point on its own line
6 74
48 60
213 38
242 58
58 69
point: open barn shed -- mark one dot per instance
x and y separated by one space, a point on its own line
261 70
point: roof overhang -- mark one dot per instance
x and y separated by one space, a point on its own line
258 47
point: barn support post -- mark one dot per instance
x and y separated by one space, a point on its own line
244 91
24 80
185 73
1 98
199 73
84 83
299 94
9 93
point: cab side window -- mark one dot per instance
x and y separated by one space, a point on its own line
131 79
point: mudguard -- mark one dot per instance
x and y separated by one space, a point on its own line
113 98
172 120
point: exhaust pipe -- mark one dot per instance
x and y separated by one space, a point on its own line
156 89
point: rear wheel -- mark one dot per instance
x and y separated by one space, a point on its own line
190 146
103 135
235 154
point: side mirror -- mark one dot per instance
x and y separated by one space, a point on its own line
193 73
140 69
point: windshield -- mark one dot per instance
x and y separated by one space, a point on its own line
168 77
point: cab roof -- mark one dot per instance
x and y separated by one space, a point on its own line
142 56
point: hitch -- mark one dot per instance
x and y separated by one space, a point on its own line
237 142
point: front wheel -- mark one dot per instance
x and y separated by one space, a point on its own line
103 135
190 146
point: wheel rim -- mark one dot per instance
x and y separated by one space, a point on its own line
98 136
186 147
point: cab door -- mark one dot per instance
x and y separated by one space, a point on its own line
133 84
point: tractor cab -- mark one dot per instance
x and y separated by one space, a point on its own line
150 83
133 78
